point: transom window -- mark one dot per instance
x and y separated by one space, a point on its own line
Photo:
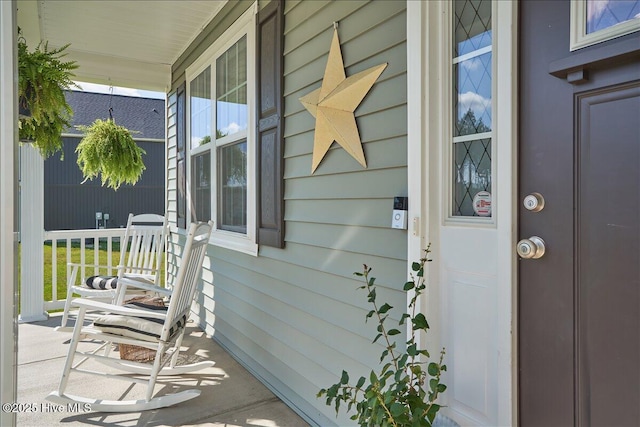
595 21
602 14
222 143
472 108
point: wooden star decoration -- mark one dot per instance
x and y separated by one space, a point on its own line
334 103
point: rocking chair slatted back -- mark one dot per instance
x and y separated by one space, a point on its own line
189 273
144 240
141 256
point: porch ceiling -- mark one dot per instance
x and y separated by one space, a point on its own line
123 43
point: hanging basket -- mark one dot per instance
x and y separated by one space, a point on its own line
43 77
109 151
23 109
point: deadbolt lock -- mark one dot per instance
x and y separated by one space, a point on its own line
534 202
531 248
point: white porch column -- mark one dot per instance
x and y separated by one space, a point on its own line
8 228
31 234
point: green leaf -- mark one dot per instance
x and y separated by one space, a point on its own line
393 332
408 286
416 266
412 350
345 378
372 295
360 382
403 318
420 322
433 369
377 338
385 307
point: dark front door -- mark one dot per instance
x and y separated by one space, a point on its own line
579 148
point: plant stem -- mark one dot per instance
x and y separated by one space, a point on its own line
380 322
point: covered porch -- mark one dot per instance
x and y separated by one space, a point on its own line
231 395
133 45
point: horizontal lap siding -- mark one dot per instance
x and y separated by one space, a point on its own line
175 241
171 158
339 217
295 316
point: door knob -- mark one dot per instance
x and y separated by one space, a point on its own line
531 248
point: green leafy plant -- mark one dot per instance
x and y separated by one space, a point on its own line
109 151
42 79
403 392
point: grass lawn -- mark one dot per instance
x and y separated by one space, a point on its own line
61 265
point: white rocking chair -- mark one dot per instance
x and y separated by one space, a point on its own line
141 251
159 330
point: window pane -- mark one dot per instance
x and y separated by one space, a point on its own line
472 174
200 93
231 90
472 26
201 185
232 209
603 14
472 95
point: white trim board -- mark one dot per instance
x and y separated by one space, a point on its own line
461 263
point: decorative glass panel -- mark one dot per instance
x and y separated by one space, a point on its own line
472 95
200 96
231 90
472 108
603 14
472 175
232 209
472 26
201 185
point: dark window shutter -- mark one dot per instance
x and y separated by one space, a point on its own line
270 164
181 135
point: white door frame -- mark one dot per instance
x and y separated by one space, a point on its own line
427 197
8 235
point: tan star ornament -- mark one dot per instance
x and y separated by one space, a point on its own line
333 106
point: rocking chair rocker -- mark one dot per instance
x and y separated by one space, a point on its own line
159 330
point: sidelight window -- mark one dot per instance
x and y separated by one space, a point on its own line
471 126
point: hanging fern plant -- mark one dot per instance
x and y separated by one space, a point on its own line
42 79
109 151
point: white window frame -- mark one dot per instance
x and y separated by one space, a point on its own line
579 37
244 26
447 137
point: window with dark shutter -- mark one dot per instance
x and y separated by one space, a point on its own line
270 194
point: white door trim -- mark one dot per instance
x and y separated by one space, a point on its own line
8 234
425 185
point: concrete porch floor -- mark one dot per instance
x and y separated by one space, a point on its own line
230 395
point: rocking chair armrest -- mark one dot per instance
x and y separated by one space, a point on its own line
135 282
117 309
79 264
150 270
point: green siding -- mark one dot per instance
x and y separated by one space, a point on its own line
294 316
